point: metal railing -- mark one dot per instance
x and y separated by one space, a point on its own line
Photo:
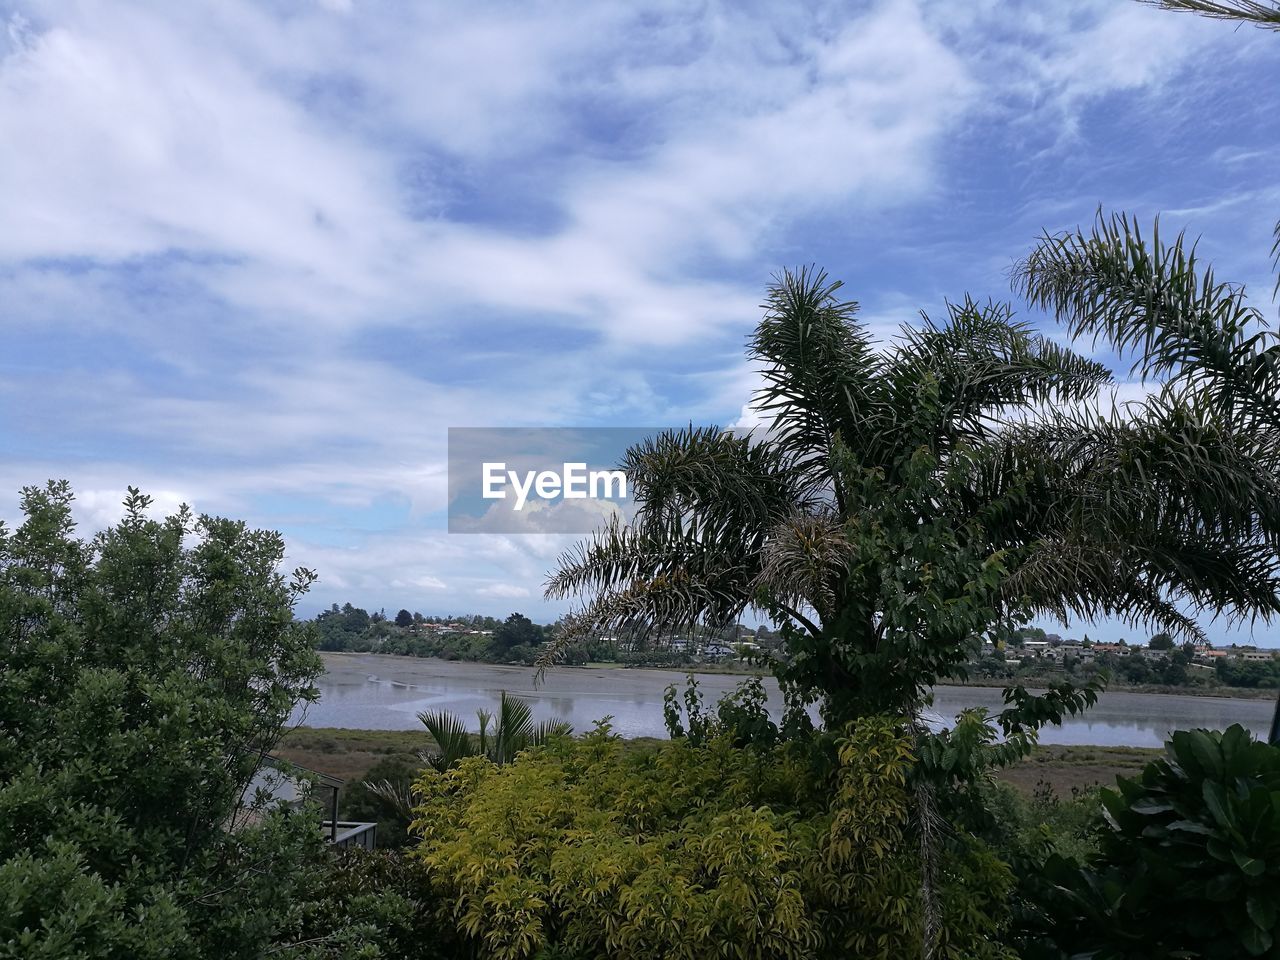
350 833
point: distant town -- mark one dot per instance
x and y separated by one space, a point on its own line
1028 654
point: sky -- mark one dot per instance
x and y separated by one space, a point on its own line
259 256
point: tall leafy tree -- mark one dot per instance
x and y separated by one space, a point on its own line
515 631
143 674
909 497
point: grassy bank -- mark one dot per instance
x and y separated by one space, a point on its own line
1064 768
350 753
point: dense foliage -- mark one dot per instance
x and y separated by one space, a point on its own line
584 848
366 905
144 674
380 796
1189 864
517 639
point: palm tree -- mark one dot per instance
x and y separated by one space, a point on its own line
906 500
514 732
908 497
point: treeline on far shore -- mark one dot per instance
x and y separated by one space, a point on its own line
1158 666
517 639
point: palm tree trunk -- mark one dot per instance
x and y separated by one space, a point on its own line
927 814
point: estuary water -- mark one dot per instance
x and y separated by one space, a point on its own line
375 692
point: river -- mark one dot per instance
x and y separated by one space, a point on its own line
375 692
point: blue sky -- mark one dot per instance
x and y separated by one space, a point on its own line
260 256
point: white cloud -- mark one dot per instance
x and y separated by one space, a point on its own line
504 591
541 517
262 257
200 147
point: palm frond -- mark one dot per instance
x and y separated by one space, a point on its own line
803 561
658 579
549 729
452 739
1156 302
704 481
1070 579
980 363
1260 14
817 364
1275 260
503 734
396 797
1169 463
514 730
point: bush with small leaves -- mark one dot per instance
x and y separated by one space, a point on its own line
582 848
365 905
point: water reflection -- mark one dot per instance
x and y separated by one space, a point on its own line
363 691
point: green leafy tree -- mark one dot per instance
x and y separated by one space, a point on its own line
404 619
516 631
355 619
144 674
342 628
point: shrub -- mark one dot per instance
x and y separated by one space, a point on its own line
584 849
361 803
365 904
1189 863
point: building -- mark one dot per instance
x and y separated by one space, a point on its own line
1119 649
1211 656
1256 655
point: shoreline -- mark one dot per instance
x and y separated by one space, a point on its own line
711 670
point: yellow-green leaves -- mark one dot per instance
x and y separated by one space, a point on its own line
693 850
